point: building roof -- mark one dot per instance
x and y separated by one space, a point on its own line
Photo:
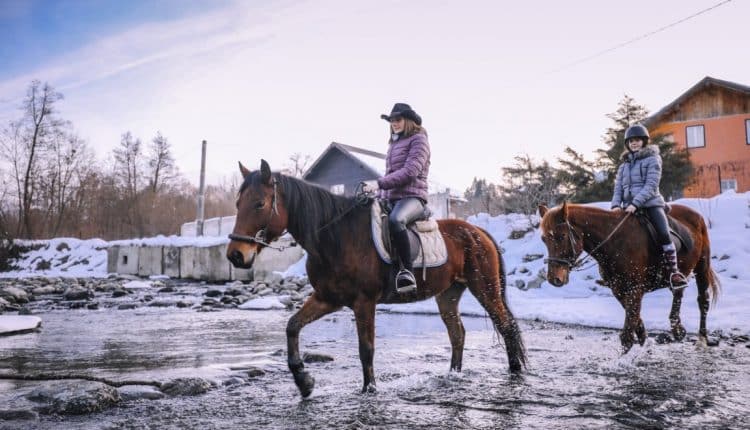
375 161
372 160
703 84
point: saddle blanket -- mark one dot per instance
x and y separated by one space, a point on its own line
433 244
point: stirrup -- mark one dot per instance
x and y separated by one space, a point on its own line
681 285
409 282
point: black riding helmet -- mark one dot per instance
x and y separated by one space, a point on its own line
637 130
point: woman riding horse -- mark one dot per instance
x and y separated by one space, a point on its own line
637 187
405 184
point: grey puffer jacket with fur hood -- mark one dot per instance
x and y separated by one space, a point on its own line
638 178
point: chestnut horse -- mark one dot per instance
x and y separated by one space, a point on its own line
629 261
345 269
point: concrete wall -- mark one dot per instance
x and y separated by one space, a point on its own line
206 263
171 261
150 261
192 262
219 226
123 260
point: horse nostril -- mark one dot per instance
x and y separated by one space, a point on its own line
236 258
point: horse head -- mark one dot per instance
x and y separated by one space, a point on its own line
564 244
261 216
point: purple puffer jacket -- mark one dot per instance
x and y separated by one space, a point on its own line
406 166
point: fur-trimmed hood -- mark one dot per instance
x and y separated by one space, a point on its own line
646 151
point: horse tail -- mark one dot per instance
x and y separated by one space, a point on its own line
509 331
705 275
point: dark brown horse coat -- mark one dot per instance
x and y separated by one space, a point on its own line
628 259
345 270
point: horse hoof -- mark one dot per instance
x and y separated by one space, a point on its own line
679 334
516 368
369 389
305 383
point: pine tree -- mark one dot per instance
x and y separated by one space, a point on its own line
580 176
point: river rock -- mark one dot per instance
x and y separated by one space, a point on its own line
14 295
187 386
75 397
136 392
313 357
78 293
39 291
18 324
18 414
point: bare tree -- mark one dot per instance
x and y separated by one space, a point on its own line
27 140
161 162
297 165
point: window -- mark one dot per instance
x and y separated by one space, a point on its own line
696 136
747 131
728 184
337 189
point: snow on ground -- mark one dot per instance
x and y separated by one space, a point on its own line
10 324
582 301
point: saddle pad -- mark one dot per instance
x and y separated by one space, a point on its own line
435 252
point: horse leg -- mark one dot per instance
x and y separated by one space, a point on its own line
678 330
448 305
364 313
313 309
633 323
493 301
702 280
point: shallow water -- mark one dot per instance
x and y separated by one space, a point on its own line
577 377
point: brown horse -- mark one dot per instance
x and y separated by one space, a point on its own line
628 260
345 269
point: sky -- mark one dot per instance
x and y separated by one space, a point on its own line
262 79
581 301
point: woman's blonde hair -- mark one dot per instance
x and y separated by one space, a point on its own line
410 129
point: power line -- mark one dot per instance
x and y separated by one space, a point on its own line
643 36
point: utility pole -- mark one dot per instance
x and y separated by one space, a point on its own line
201 194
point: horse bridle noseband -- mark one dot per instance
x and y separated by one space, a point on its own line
261 237
573 262
578 262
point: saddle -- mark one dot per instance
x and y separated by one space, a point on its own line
427 244
680 235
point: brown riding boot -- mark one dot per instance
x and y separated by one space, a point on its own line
677 280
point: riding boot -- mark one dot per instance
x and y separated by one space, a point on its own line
405 281
677 280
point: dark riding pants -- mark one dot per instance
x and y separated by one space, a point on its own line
405 211
659 219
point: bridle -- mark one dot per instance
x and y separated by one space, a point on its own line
261 237
572 262
576 263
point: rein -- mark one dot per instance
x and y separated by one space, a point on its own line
262 234
361 198
576 264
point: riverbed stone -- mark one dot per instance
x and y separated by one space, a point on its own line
14 295
75 397
187 386
136 392
78 293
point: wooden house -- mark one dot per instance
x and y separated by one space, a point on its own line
711 120
340 168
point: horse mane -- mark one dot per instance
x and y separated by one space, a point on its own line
310 207
554 215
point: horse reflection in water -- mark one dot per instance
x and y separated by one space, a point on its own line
345 269
629 261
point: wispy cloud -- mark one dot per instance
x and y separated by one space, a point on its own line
140 46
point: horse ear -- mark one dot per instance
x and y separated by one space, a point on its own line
564 210
244 170
265 172
542 210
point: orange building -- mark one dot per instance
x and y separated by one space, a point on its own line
711 120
